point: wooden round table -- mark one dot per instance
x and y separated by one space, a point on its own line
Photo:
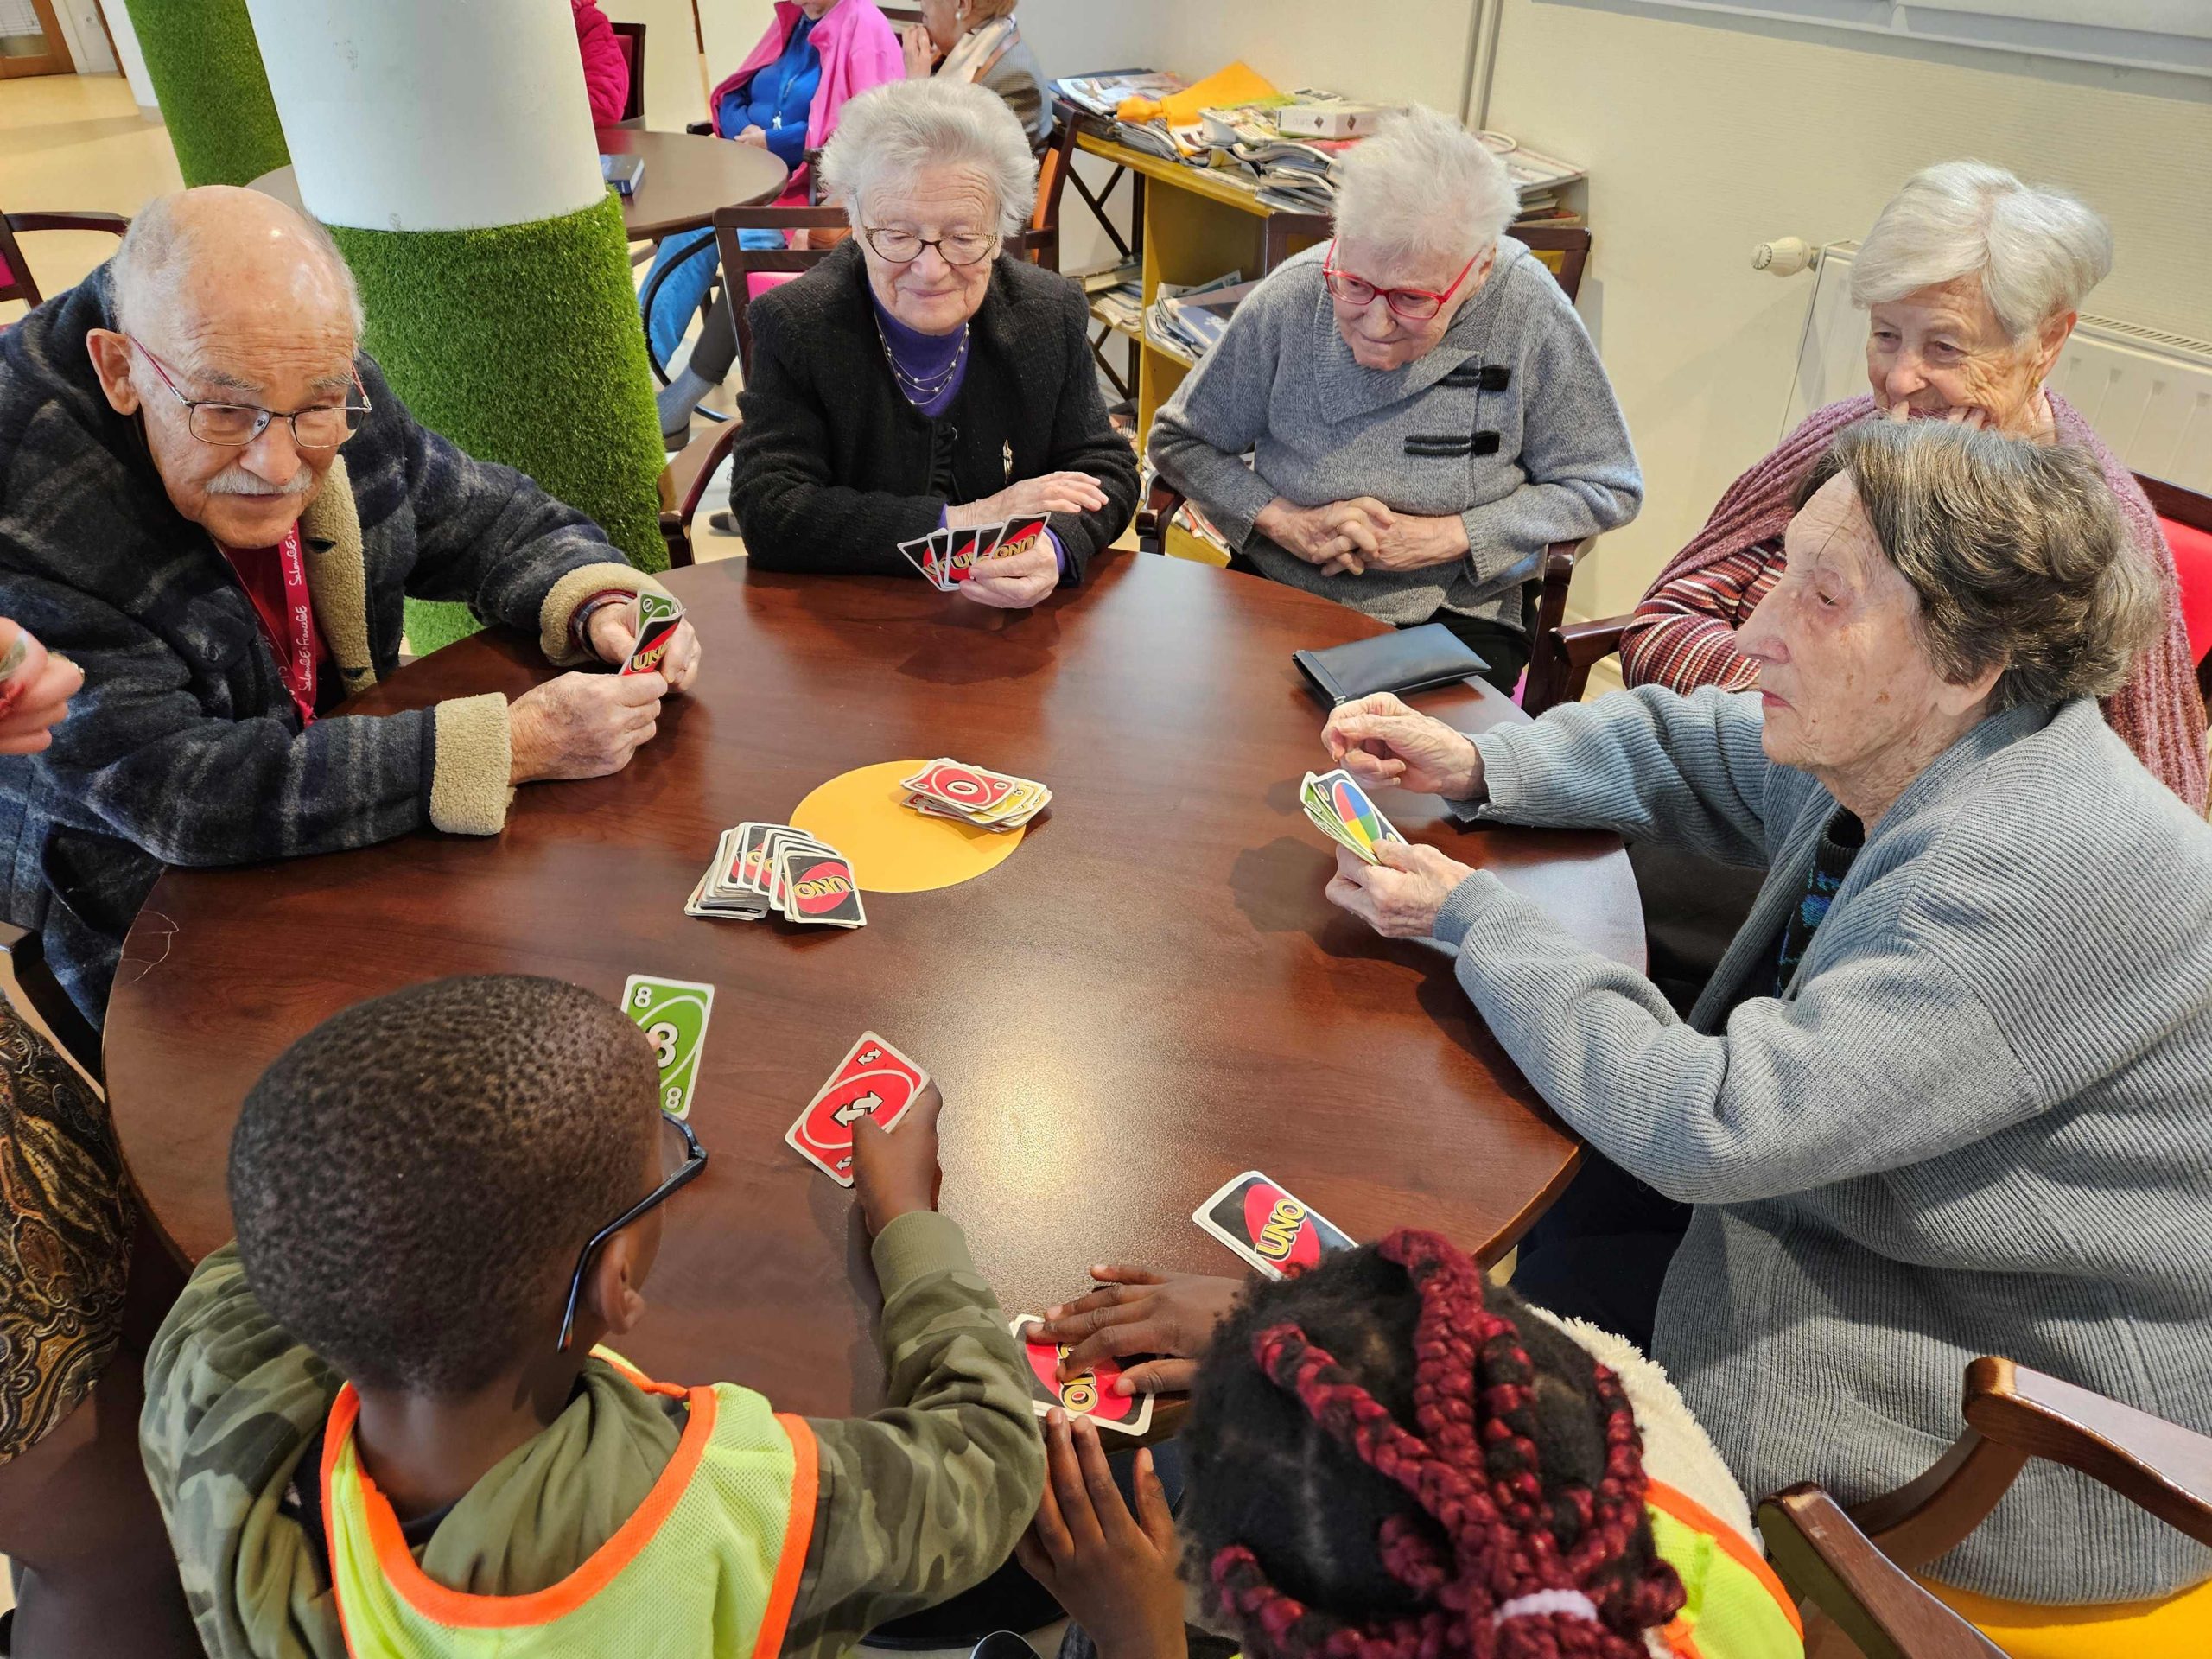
688 175
1148 996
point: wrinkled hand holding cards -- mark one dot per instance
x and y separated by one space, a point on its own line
1088 1394
763 867
656 617
874 1080
1340 810
949 557
672 1012
996 800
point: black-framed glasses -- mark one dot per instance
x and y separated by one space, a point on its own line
903 247
688 1158
324 426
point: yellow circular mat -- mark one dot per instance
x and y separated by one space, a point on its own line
892 848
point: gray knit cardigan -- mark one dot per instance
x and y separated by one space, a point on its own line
1978 1120
1507 420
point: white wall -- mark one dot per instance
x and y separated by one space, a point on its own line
1412 51
1704 138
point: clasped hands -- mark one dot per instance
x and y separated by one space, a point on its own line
1351 538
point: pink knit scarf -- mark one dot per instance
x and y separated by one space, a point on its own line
2159 713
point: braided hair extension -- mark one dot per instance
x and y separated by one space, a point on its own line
1386 1463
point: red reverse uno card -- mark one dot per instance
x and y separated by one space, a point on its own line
1019 535
1269 1228
970 788
1088 1394
874 1080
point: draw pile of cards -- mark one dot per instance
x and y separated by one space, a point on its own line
759 868
1341 810
949 557
996 800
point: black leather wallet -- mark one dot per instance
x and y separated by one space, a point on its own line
1405 659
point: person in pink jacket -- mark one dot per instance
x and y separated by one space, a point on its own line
606 71
785 98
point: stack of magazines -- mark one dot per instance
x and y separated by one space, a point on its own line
1186 321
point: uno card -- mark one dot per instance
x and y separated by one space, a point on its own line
657 617
874 1080
967 546
971 789
1269 1228
818 886
921 553
1019 536
672 1012
1089 1394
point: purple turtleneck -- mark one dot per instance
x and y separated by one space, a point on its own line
924 358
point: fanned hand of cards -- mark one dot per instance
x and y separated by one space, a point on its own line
949 557
1341 810
759 868
874 1080
997 800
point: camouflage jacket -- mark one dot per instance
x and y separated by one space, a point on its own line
915 1504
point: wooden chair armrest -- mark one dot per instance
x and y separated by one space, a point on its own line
1161 503
685 480
2157 1466
703 128
1588 643
114 224
1820 1557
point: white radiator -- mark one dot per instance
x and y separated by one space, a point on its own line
2149 395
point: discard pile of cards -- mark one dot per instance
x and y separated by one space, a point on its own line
949 557
874 1080
763 867
997 800
1341 810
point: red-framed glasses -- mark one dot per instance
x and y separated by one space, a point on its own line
321 426
1414 304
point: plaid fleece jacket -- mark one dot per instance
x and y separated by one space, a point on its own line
184 747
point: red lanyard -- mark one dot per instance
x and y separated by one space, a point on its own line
290 636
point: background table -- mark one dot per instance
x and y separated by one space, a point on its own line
688 175
1150 995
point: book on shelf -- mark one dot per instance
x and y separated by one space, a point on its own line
1185 320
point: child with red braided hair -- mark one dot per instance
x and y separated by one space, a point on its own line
1390 1459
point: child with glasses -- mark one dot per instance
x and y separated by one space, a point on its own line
378 1421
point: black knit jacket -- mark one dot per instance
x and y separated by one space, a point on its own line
833 466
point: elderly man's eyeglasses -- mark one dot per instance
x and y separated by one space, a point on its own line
1414 304
323 426
682 1159
903 247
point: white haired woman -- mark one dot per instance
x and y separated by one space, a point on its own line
1972 282
921 376
1945 1095
1423 409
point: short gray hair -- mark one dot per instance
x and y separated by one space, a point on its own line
2038 251
891 133
160 242
2017 550
1423 187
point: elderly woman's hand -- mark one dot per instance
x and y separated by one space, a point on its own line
1408 541
1339 536
920 51
1018 581
754 136
1026 497
34 691
1399 896
1380 740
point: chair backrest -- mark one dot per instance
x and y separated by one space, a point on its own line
16 281
631 37
899 16
1564 252
2186 518
1053 161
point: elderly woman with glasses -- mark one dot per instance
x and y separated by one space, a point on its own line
1422 409
922 377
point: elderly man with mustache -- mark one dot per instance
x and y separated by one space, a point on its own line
211 504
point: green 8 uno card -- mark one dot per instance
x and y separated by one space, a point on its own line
672 1012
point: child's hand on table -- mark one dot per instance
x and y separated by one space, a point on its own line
1112 1571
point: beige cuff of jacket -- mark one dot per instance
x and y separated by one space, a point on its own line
469 787
560 607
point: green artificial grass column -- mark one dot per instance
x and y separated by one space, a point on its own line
206 71
521 345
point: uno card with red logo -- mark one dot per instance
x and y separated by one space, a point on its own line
1269 1228
1019 536
874 1080
972 789
969 546
658 616
815 884
1088 1394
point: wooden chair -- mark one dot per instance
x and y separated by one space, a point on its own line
631 37
36 985
686 477
16 282
1855 1564
2185 507
1566 653
1572 247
